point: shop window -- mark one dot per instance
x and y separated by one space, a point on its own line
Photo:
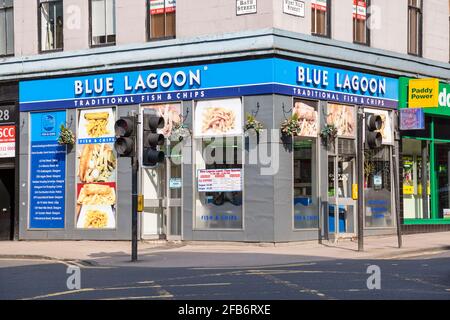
415 171
361 30
306 209
161 19
441 129
51 25
103 22
218 164
321 17
415 27
6 27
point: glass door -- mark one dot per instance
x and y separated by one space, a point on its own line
341 210
442 162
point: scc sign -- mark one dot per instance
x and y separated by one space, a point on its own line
7 141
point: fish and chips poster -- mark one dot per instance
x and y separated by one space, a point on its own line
96 170
218 118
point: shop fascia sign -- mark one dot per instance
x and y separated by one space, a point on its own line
428 93
151 81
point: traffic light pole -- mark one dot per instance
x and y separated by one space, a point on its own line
134 198
360 166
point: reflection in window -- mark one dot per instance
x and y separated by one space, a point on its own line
6 27
306 210
219 209
51 28
103 22
161 19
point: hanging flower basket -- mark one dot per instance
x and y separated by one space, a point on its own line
329 134
251 124
66 136
180 132
291 127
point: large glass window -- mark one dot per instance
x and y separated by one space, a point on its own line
306 209
161 19
218 147
360 22
6 27
51 25
415 27
320 17
442 163
103 22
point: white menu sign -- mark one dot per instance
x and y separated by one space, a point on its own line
220 180
294 7
245 7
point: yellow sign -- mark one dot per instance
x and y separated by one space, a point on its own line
140 206
354 191
423 93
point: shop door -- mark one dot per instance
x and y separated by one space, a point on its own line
341 206
6 204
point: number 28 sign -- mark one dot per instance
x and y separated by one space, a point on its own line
7 141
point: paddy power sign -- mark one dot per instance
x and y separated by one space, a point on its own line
423 93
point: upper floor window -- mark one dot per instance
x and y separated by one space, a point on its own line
103 22
50 25
360 23
415 27
161 19
6 27
320 17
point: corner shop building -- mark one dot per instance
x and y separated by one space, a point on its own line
308 195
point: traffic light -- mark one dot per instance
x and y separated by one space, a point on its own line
125 137
151 139
374 123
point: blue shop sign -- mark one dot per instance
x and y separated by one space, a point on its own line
229 79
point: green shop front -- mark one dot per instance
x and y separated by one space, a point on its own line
425 161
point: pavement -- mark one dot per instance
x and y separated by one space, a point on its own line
162 254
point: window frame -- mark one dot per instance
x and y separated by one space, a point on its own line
328 20
5 8
368 37
148 27
39 2
107 44
420 35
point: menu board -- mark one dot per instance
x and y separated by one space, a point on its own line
218 118
47 171
220 180
96 170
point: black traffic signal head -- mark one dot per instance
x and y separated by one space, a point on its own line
374 138
151 139
125 136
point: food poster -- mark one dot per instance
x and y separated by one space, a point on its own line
96 170
218 118
308 118
386 127
172 117
408 182
343 118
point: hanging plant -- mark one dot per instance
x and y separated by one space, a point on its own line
329 133
291 126
253 124
66 136
180 132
